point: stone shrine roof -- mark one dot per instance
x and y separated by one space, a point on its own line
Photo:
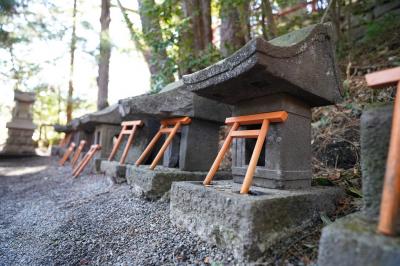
173 101
21 96
301 63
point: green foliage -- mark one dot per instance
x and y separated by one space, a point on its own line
387 24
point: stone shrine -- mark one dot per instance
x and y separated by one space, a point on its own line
291 73
354 237
191 151
21 127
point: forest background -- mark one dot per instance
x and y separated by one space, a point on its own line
76 64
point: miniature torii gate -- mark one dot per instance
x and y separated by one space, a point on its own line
164 129
65 140
264 119
128 128
85 160
78 152
67 153
390 202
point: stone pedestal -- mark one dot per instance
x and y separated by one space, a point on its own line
21 127
154 184
247 225
354 237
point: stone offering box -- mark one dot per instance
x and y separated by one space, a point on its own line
292 73
193 148
21 127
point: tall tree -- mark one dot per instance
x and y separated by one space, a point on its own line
71 65
234 25
196 37
105 54
270 31
155 52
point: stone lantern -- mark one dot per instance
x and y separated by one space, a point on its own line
21 127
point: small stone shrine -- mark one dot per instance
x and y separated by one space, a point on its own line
21 127
192 150
107 134
292 73
354 237
59 150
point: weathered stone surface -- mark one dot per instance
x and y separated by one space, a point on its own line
109 115
114 170
353 241
248 225
199 145
63 128
286 159
153 184
300 63
104 135
174 100
375 135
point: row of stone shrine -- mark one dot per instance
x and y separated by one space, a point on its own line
265 92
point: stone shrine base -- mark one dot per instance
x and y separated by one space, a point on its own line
353 241
247 225
153 184
114 170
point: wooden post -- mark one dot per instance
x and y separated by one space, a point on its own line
128 145
116 145
390 202
88 156
248 179
78 152
149 147
67 153
391 187
221 154
264 119
165 146
125 131
164 129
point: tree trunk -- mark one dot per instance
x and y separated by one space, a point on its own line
156 54
105 54
267 10
197 37
71 66
232 35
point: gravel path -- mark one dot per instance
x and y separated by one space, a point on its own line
47 217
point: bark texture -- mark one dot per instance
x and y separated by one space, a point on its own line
71 66
234 26
105 54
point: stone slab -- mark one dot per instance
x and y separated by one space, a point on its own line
63 128
174 101
353 241
300 63
247 225
154 184
114 170
109 115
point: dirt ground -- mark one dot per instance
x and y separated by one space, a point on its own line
48 217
